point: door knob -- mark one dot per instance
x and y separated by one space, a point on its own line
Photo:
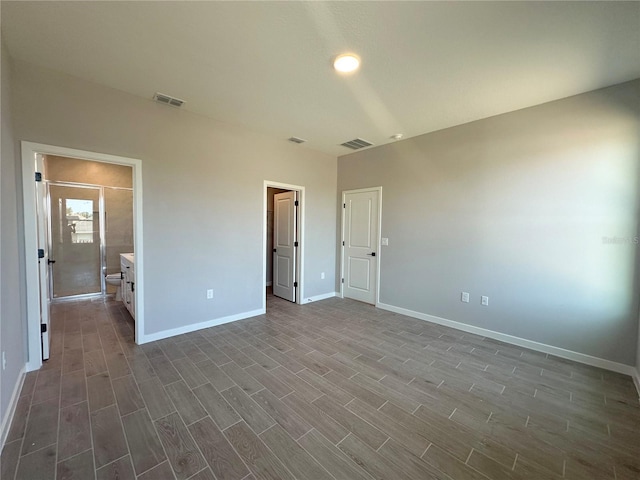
372 254
49 261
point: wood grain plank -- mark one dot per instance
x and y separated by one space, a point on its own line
94 363
217 450
144 444
121 469
281 413
100 391
79 467
109 443
189 372
216 406
245 381
40 465
127 394
216 377
160 472
365 431
292 455
185 402
42 426
249 410
156 398
74 430
263 464
331 458
183 454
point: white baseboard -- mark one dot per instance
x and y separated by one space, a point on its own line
152 337
11 410
317 298
636 379
521 342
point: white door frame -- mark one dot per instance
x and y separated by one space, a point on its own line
301 242
29 152
378 236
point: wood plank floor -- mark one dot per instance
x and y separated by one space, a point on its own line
331 390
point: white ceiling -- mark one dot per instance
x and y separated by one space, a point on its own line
267 65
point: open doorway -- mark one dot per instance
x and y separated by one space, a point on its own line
66 198
283 245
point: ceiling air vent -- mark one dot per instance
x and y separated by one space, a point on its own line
296 140
356 144
167 100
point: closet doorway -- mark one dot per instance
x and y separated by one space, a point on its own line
283 245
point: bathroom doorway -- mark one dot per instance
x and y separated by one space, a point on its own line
90 223
75 198
283 241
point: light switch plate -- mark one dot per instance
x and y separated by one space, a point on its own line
385 241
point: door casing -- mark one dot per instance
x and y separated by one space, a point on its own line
301 239
29 151
377 240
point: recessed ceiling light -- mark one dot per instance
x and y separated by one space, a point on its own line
346 63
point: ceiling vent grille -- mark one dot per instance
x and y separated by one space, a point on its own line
296 140
167 100
356 144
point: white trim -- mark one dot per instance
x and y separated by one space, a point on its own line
636 379
379 249
303 204
29 152
13 402
199 326
324 296
521 342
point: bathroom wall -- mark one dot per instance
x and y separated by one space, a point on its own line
76 170
118 198
270 193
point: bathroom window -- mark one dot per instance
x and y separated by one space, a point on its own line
79 221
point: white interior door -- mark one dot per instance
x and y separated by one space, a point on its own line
360 240
44 262
284 245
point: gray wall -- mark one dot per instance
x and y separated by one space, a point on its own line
203 192
12 311
515 207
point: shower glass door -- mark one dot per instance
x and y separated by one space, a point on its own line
75 240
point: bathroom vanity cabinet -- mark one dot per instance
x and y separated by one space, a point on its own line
128 282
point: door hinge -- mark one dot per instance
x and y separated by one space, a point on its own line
343 243
343 280
295 284
295 244
344 205
296 203
41 253
43 328
38 177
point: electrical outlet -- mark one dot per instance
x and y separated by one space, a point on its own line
385 242
322 276
465 297
4 360
209 294
484 300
